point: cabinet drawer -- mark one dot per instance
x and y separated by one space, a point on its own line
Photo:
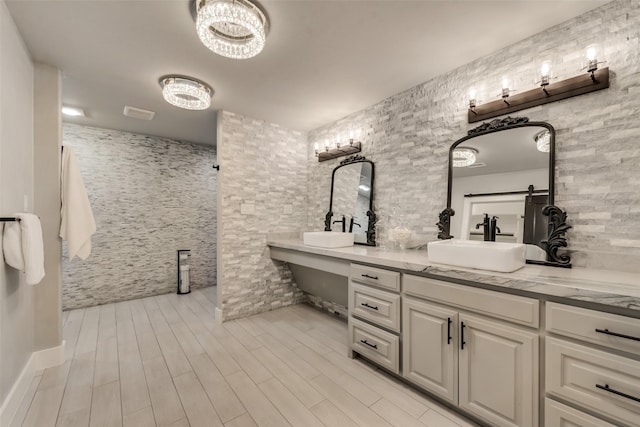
375 276
375 344
379 307
558 415
584 324
606 383
517 309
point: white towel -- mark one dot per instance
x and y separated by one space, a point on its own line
77 218
12 245
23 248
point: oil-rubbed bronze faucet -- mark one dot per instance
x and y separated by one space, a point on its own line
485 226
490 227
352 223
344 223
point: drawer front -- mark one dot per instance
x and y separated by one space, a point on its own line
611 330
379 307
606 383
375 344
375 276
513 308
558 415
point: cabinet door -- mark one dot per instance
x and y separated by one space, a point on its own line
498 372
429 351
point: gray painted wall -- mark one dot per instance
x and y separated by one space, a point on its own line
47 142
150 196
597 175
16 182
262 189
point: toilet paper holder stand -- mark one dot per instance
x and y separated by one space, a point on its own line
183 285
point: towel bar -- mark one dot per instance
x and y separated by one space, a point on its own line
9 219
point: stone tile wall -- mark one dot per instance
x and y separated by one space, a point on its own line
262 189
597 156
150 196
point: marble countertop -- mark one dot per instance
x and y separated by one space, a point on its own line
607 287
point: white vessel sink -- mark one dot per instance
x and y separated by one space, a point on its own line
493 256
327 239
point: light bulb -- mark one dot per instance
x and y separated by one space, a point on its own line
327 144
505 89
545 75
315 147
544 69
592 61
472 98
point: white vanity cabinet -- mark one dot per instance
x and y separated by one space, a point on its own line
451 347
374 315
599 373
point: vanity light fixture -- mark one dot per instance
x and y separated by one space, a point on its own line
543 140
464 157
234 29
186 92
331 151
596 79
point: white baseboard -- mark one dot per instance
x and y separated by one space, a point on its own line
38 360
49 357
218 316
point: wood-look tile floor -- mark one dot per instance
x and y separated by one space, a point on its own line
164 361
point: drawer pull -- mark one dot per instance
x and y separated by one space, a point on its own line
615 334
448 330
619 393
374 346
370 277
462 343
364 304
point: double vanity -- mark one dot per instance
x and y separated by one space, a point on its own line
539 346
467 321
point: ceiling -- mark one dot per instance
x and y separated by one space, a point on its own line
506 151
323 59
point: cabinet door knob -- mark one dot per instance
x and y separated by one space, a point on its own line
449 321
462 343
370 277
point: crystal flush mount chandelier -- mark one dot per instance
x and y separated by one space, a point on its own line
464 157
232 28
543 141
185 92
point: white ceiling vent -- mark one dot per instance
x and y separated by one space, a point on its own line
138 113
